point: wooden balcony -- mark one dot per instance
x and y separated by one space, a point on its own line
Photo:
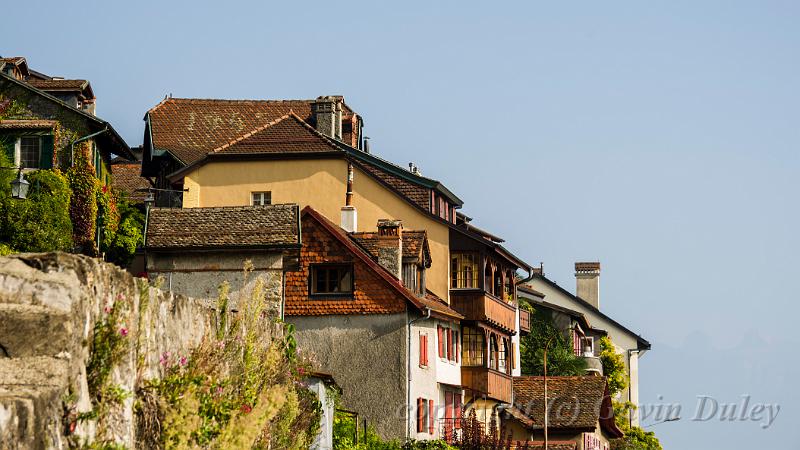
482 380
475 304
524 321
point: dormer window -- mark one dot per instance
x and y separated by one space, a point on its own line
414 278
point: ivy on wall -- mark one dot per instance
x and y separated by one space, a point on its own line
83 208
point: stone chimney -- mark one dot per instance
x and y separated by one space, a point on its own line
390 246
324 111
327 111
587 277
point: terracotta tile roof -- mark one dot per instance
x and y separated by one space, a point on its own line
13 59
223 227
58 84
377 291
287 134
551 445
414 243
575 402
190 128
26 124
125 178
419 195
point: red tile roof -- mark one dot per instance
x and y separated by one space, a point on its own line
18 124
125 178
574 402
287 134
377 291
270 226
58 84
190 128
414 244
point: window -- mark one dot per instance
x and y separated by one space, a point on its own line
442 341
493 352
464 271
473 347
331 279
413 278
261 198
425 416
452 413
502 354
30 152
509 287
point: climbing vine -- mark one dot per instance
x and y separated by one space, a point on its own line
83 208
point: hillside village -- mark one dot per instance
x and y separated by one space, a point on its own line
411 322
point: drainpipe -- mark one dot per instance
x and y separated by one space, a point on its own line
630 398
408 363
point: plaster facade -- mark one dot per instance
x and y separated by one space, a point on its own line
320 183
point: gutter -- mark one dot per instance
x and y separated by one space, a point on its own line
408 363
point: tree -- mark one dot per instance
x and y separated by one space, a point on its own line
637 439
613 366
561 360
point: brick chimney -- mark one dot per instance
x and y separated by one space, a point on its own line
327 111
390 246
587 277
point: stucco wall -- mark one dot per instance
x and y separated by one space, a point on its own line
367 357
199 275
622 340
423 379
320 183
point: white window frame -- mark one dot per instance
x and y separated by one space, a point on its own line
261 195
588 346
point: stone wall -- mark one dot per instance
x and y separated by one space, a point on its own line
49 306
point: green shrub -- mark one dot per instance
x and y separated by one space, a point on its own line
613 366
120 243
561 360
40 222
637 439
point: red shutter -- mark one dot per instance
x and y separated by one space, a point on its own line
421 349
430 416
441 342
426 349
448 406
420 415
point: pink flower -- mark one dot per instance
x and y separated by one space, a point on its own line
123 331
121 297
164 360
300 370
219 389
246 409
107 309
182 361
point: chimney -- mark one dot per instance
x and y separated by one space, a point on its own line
349 214
390 246
587 277
324 111
337 127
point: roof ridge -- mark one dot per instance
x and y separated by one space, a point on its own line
234 100
252 132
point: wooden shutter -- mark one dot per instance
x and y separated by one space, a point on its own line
420 415
441 341
457 344
431 417
46 154
423 349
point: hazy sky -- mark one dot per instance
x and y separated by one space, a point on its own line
660 137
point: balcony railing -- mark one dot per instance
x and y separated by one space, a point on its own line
476 304
450 429
489 382
524 321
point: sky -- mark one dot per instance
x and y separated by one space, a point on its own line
660 138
